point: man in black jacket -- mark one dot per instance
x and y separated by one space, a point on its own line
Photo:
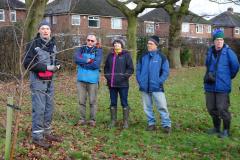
40 60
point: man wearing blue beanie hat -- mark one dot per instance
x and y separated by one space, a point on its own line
222 66
41 61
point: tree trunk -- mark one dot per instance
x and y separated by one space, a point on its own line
175 57
35 14
131 36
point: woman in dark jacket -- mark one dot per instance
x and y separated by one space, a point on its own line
117 70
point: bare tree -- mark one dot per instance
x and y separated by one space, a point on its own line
132 14
237 2
176 14
35 14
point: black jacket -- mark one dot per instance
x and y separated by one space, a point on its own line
118 69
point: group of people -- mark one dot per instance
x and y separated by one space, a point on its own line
152 71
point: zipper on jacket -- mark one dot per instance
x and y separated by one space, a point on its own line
113 69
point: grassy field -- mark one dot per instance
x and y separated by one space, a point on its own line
188 140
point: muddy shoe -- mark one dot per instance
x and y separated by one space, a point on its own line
167 130
151 128
92 123
51 137
81 122
41 143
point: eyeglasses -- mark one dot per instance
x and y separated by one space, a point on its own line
89 40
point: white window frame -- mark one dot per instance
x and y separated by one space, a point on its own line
209 29
199 28
54 19
237 30
185 27
150 28
94 18
76 20
14 14
3 15
116 23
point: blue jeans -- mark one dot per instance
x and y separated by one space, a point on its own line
123 92
161 104
42 111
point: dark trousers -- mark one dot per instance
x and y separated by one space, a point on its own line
123 92
218 105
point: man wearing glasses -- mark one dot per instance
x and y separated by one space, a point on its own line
88 59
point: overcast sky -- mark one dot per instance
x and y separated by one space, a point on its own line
205 7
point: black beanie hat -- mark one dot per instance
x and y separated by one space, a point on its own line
154 39
118 41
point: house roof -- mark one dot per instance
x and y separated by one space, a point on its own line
156 15
14 4
227 19
87 7
160 15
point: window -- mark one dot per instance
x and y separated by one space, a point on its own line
237 30
149 28
54 20
93 22
2 15
13 16
116 23
157 26
185 27
209 29
76 20
199 28
47 19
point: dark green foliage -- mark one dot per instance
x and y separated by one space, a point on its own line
185 56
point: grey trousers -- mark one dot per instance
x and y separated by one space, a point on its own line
42 111
218 105
87 90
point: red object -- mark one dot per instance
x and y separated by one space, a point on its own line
47 75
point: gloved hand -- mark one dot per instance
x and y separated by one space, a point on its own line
98 45
90 60
52 68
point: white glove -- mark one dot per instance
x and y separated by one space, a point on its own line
52 68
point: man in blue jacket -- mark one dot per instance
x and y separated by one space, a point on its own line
88 59
222 66
152 71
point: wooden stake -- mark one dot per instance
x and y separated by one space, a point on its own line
8 128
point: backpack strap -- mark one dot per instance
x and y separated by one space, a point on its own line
163 57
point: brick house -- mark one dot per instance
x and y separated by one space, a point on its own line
11 12
80 17
229 22
157 22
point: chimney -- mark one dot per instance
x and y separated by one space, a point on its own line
230 10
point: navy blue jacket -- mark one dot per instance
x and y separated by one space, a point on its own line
227 69
118 69
152 71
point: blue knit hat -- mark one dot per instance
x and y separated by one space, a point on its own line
218 33
44 22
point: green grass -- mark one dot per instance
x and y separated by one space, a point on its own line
188 140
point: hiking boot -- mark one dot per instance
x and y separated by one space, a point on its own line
82 122
151 128
224 134
51 137
41 143
213 131
92 123
167 129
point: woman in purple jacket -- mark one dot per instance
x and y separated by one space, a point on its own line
117 71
